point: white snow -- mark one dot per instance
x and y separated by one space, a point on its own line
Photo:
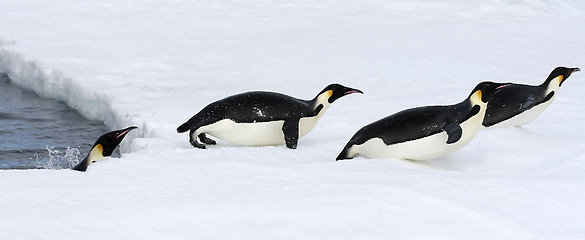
154 64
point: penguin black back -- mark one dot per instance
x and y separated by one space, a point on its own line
103 147
250 107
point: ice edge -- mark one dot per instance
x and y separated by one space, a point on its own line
32 75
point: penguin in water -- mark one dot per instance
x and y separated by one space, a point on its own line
261 118
519 104
423 133
103 147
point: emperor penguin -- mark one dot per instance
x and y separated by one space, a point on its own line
261 118
519 104
423 133
103 147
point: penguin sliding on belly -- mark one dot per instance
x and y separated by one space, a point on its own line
425 132
519 104
103 147
261 118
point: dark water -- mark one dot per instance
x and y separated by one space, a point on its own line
37 132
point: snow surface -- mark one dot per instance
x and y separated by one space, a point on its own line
154 64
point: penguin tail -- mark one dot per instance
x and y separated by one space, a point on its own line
82 166
184 127
344 154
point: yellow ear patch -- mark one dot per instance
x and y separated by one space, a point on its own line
479 94
560 79
97 153
475 98
329 93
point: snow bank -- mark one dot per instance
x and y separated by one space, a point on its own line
51 83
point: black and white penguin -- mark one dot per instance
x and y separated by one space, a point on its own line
423 133
103 147
261 118
519 104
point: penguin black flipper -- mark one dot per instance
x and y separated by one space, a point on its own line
528 103
454 132
290 128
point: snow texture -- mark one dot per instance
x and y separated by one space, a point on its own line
154 64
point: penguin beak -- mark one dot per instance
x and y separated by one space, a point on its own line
575 70
125 131
503 86
350 91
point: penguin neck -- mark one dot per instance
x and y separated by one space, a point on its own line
320 103
474 109
96 153
552 85
475 99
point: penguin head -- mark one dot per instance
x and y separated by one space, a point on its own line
560 73
336 91
484 91
109 141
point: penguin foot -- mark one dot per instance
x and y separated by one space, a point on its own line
198 145
204 139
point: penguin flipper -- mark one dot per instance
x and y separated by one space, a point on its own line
527 104
290 128
454 132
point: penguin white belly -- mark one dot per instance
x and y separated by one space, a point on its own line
307 124
526 116
420 149
254 134
425 148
